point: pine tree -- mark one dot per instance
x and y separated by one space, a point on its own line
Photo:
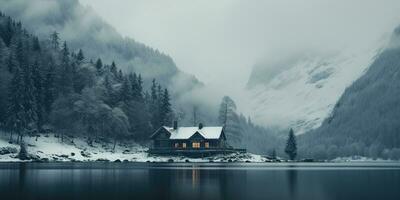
8 33
120 76
154 106
154 91
109 96
49 90
65 53
99 65
226 108
114 69
249 122
159 104
22 107
273 154
29 99
4 81
137 88
165 109
132 80
36 44
21 54
38 84
125 93
230 120
16 116
65 76
55 40
291 146
147 98
11 63
140 88
159 94
80 57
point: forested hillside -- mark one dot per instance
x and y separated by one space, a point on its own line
44 86
84 29
365 120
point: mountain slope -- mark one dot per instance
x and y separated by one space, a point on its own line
84 29
301 91
365 121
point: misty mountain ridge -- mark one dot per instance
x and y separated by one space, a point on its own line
84 29
365 120
301 91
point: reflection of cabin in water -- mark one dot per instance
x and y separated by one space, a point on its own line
190 141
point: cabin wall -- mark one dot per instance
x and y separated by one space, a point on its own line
162 140
189 143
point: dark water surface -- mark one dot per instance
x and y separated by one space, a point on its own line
147 181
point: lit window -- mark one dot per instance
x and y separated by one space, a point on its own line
176 145
207 145
196 144
183 145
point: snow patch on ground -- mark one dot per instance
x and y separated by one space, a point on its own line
50 148
360 159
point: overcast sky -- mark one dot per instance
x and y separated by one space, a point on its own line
214 38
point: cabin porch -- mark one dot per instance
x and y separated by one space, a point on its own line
194 152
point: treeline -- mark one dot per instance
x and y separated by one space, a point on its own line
241 132
45 87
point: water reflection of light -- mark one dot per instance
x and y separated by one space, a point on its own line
195 176
292 181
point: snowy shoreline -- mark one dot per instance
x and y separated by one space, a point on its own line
48 148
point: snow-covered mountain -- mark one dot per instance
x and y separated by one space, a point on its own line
365 120
301 91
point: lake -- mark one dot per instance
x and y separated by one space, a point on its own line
231 181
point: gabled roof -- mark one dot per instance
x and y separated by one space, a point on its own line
187 132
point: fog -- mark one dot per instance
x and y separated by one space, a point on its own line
301 56
220 41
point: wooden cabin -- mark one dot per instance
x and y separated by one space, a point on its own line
190 141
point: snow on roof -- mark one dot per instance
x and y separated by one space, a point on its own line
187 132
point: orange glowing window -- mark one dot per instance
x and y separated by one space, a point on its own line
207 144
196 144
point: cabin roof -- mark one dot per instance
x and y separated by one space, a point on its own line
187 132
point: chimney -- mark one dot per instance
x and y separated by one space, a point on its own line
200 125
175 125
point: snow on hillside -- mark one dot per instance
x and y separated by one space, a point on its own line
304 92
49 148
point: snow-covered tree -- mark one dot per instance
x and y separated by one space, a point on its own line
230 120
